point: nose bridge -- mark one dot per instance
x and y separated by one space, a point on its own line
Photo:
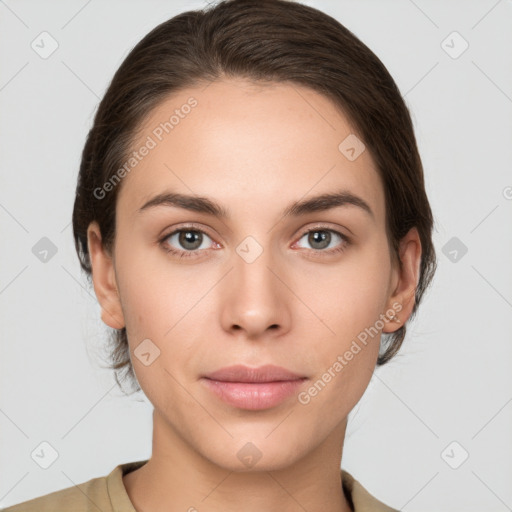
252 262
256 298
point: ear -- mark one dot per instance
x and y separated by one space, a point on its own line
104 279
403 282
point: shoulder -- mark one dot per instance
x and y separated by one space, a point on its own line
361 500
106 493
87 496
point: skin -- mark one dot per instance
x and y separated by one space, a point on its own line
254 149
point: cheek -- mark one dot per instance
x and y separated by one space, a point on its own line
350 296
168 305
348 300
155 294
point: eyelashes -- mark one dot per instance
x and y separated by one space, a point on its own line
198 234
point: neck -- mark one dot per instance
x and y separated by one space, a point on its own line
179 478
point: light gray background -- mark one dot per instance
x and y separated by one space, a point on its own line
452 380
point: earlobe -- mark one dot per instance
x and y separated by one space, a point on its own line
403 296
104 279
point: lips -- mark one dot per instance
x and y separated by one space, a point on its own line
253 388
266 373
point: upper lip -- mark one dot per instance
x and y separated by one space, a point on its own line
241 373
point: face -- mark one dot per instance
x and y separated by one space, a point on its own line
198 291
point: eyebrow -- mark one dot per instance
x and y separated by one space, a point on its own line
322 202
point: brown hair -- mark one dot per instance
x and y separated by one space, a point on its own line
261 40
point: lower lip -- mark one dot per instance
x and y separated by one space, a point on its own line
253 396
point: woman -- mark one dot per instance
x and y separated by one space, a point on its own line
251 212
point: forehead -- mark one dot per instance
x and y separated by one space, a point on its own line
243 143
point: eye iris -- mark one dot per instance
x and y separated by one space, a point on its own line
187 237
319 236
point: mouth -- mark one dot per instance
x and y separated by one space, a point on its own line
266 373
253 388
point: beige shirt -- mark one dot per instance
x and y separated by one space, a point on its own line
108 494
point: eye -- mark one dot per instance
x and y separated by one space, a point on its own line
185 242
189 242
321 238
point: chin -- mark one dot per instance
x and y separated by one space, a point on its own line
245 456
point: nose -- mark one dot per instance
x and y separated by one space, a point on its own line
255 299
